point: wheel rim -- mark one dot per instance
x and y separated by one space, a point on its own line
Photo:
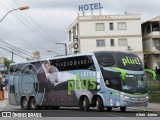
24 103
84 105
33 104
97 104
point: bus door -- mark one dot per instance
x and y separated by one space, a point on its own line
112 81
13 86
114 93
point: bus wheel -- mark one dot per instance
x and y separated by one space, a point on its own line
99 104
85 104
33 104
109 109
25 104
123 109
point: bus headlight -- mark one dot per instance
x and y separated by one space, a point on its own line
126 97
147 98
98 87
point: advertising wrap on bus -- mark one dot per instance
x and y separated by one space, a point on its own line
100 79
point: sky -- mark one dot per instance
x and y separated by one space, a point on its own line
45 23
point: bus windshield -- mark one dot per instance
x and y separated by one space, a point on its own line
126 61
134 84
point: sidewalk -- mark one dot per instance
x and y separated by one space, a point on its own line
150 107
4 102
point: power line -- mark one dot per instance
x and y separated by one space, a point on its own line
13 47
10 37
48 35
26 23
13 53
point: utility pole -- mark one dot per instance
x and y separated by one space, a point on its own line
12 55
65 45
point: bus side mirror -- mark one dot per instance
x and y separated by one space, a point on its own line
151 72
123 73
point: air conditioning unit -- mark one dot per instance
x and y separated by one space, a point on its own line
129 47
157 47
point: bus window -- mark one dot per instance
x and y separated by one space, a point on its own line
65 64
129 61
86 62
115 84
105 59
12 69
74 63
35 66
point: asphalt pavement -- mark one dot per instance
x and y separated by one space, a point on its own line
152 110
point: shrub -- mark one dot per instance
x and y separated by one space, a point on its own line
154 96
154 87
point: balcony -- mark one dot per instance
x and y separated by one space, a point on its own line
152 34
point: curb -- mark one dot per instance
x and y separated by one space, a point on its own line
147 110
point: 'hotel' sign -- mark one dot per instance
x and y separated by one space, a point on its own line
94 6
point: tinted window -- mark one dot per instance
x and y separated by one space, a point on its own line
86 62
128 61
12 69
35 66
74 63
105 59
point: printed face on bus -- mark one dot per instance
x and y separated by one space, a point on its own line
48 67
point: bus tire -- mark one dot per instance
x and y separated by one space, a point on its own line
86 104
123 109
33 104
25 103
109 109
99 104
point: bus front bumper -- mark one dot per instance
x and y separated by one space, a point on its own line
135 102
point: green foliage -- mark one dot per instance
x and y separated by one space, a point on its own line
154 96
154 87
7 62
36 53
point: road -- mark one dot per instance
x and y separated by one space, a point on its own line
74 112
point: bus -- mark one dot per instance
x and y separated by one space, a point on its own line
103 80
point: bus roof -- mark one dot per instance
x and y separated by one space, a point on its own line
56 57
66 56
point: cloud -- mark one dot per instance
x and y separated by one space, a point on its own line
54 16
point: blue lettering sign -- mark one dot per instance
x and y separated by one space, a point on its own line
86 7
91 6
80 7
94 6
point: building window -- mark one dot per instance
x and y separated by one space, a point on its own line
111 26
112 42
122 42
100 27
70 38
156 42
122 26
101 43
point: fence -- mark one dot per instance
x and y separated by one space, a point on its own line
153 88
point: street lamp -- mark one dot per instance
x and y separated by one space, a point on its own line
21 8
52 51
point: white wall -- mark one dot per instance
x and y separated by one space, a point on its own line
89 45
88 28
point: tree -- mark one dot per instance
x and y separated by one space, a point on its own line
36 55
7 62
